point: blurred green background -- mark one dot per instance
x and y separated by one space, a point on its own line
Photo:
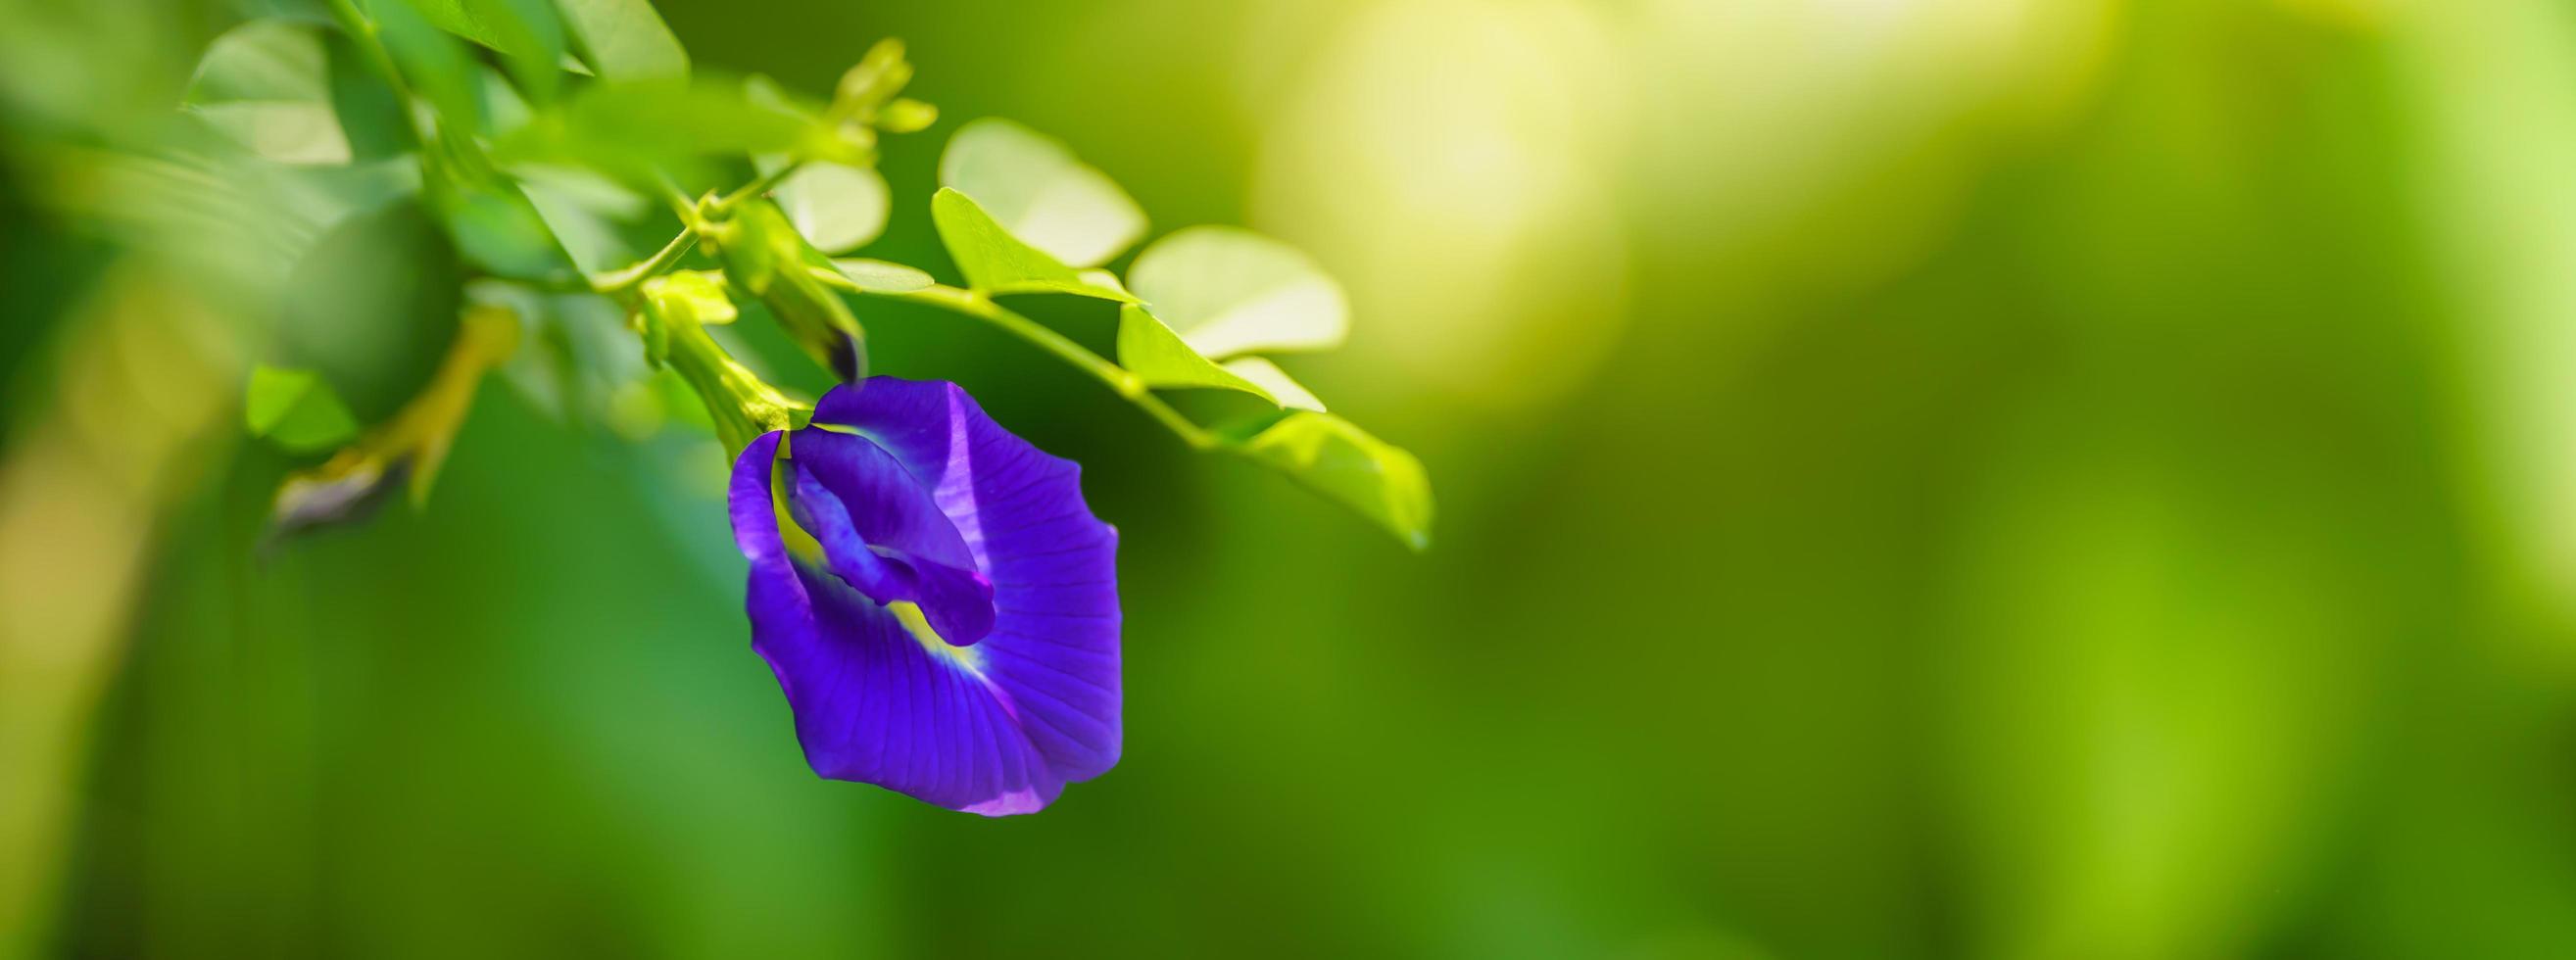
1985 478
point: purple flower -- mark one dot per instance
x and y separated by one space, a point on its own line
941 609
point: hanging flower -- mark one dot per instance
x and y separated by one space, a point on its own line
939 605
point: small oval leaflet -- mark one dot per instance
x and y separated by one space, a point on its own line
624 39
1149 349
1342 461
995 261
1034 188
1283 389
1228 291
265 85
838 207
879 276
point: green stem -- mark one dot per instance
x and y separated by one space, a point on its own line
694 218
758 185
685 206
742 405
983 308
616 285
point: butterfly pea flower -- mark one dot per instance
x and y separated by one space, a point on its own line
939 605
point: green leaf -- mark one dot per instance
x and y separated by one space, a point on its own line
499 229
838 207
432 63
1229 291
296 410
1157 356
492 220
624 39
638 131
326 195
526 31
1345 463
996 262
1283 389
503 109
370 306
1108 281
261 60
266 86
1037 191
284 132
371 116
878 276
300 11
583 210
486 22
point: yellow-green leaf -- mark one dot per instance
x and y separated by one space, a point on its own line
1228 291
526 32
1343 462
296 410
1155 355
838 207
1038 192
266 85
1282 388
624 39
878 276
995 261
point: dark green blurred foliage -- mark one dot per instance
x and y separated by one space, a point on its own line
373 306
2056 515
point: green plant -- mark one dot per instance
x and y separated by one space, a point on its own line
540 137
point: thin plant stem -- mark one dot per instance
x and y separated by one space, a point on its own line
982 307
625 281
759 185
